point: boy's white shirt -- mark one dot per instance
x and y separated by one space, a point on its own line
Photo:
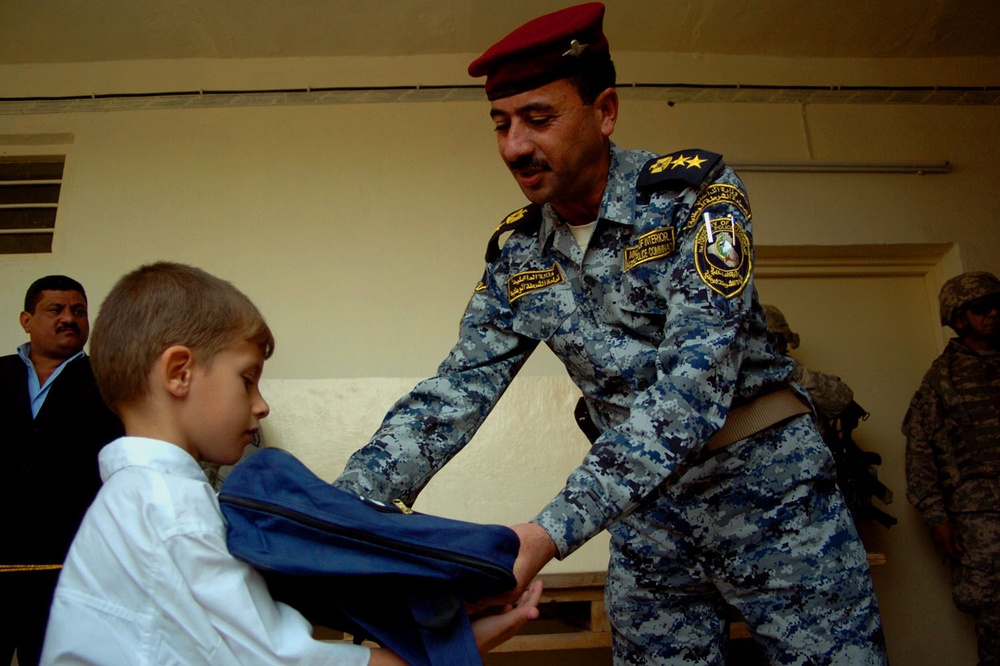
149 580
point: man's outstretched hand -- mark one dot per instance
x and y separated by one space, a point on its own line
537 548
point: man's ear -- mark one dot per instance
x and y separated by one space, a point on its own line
25 319
606 106
174 368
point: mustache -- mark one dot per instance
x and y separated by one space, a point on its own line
67 327
529 162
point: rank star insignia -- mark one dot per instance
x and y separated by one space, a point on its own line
687 168
511 219
660 165
515 216
671 162
576 49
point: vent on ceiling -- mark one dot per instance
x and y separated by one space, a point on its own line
29 195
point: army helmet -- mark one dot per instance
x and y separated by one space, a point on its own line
778 326
963 289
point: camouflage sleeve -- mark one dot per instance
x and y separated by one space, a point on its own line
923 426
829 394
697 363
429 426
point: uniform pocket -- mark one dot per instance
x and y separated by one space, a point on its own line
643 308
539 312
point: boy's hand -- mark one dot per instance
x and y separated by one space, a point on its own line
537 548
489 630
492 630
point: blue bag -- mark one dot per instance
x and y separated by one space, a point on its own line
377 571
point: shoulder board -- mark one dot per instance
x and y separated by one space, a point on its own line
687 168
527 218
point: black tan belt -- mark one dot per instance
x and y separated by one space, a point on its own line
756 415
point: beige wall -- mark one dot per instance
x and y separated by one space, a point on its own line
354 224
359 229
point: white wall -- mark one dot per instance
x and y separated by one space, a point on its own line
359 229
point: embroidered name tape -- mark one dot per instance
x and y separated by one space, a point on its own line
652 245
520 284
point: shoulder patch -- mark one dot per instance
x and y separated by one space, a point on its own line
527 218
718 194
722 256
687 168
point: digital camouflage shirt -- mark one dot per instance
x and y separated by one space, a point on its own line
657 323
952 433
830 394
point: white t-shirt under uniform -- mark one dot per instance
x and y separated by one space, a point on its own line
149 580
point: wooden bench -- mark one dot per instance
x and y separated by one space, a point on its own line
573 616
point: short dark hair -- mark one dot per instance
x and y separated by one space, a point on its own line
50 283
595 76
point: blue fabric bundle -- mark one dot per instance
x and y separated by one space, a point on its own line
377 571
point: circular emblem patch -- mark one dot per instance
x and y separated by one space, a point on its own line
722 256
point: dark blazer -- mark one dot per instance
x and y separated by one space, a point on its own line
48 465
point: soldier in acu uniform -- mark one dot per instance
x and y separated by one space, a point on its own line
830 394
837 416
706 467
953 451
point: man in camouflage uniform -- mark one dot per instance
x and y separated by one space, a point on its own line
636 270
953 451
830 395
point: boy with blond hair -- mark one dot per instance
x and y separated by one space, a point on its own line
178 354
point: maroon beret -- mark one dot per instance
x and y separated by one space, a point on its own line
543 50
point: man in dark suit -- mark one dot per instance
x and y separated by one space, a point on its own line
53 423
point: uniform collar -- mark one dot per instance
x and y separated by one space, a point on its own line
618 201
963 348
